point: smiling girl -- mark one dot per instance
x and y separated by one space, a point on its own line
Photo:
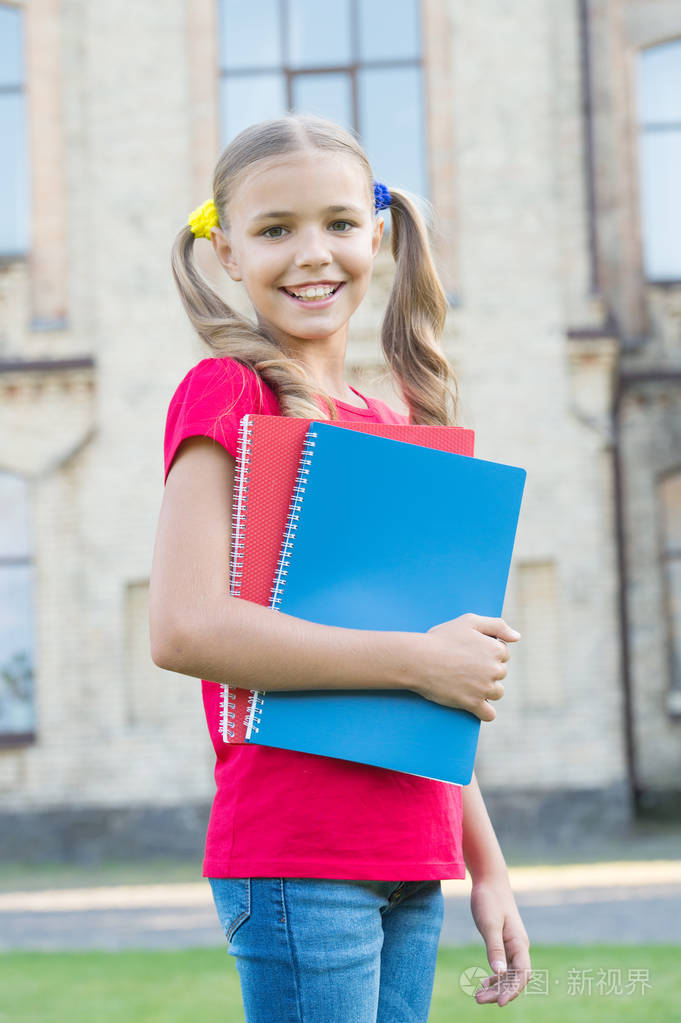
325 874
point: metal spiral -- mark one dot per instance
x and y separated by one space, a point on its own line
255 711
239 511
227 714
276 593
240 504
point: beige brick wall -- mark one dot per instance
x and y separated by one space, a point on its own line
508 162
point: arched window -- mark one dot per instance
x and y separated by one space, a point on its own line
16 612
659 116
13 140
670 507
357 63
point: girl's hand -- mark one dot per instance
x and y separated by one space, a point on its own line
498 920
465 663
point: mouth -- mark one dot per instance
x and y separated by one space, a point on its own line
313 294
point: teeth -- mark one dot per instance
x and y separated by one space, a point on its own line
314 292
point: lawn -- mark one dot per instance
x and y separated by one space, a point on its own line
585 984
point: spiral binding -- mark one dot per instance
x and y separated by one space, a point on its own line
240 504
276 594
239 512
295 508
255 703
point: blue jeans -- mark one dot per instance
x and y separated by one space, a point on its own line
323 951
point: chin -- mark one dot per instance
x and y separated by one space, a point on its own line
309 332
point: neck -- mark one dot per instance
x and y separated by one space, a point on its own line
324 361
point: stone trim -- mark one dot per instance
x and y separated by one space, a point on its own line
49 365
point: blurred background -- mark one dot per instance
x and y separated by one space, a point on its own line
547 137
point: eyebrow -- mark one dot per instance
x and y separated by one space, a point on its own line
287 214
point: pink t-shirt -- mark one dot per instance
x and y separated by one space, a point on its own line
278 813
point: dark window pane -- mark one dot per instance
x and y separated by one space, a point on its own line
16 649
11 46
250 34
327 95
660 172
13 174
318 36
389 29
391 125
659 84
670 507
245 99
670 495
674 590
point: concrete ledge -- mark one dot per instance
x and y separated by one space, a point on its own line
559 820
93 834
565 822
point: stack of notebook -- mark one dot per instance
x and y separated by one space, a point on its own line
368 527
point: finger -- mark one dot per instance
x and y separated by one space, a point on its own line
504 654
501 988
496 691
487 995
518 949
488 982
502 672
512 984
485 711
517 974
521 963
496 953
497 628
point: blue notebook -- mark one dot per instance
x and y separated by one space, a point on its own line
391 536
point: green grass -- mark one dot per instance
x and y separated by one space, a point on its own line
201 984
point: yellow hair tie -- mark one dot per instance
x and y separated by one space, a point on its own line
203 218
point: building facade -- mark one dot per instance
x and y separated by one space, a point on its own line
548 138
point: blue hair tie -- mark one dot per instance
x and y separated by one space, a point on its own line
382 197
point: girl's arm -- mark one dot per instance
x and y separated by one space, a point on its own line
198 629
493 905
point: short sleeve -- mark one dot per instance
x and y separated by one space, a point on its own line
211 401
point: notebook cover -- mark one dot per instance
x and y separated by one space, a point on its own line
267 466
409 538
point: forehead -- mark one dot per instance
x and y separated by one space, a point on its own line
299 181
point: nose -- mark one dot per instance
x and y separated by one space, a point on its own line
313 248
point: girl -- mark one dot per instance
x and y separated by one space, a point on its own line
325 874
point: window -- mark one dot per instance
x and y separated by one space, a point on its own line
359 65
659 115
670 507
13 143
16 611
538 666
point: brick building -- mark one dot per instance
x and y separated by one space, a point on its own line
548 138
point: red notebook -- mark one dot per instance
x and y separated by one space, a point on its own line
267 465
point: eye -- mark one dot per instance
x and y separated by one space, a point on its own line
340 226
275 232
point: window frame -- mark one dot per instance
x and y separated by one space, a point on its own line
20 89
353 69
11 739
647 127
667 555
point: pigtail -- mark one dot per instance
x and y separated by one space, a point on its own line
227 333
415 320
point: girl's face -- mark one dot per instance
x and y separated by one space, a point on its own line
302 237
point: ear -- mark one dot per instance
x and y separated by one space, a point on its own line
377 235
225 252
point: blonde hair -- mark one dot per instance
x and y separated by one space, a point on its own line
416 310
